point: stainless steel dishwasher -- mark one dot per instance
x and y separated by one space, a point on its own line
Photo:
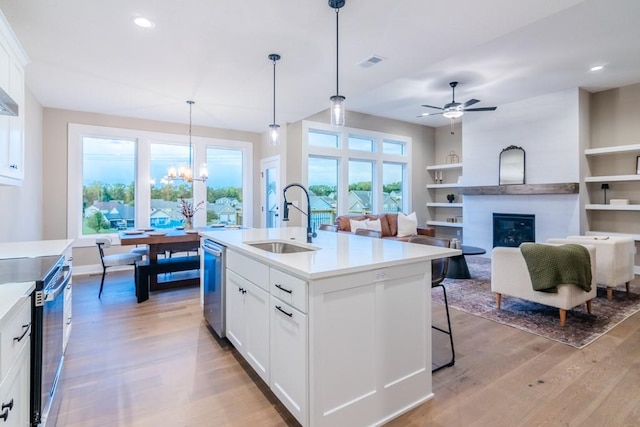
214 285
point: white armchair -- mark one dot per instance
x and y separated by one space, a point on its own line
614 258
510 276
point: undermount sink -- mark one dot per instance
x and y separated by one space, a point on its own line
281 247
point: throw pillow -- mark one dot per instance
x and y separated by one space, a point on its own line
374 224
355 224
407 224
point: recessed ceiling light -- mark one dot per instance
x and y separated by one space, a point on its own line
596 68
143 22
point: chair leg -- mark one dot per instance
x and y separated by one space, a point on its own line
609 293
498 300
448 332
589 306
563 317
104 273
627 285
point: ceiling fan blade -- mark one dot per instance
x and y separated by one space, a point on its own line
470 102
429 114
431 106
480 109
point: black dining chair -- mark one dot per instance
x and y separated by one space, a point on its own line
114 260
439 269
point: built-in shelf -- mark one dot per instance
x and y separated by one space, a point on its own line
445 224
522 189
451 185
635 237
612 207
444 205
612 150
445 166
612 178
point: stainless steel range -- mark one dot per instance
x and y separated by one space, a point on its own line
51 276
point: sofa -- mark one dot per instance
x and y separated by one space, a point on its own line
510 276
614 258
388 225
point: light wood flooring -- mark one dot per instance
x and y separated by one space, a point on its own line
157 364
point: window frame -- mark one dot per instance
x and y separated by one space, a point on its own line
76 133
343 154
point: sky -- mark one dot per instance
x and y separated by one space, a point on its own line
113 161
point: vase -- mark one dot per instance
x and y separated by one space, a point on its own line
188 223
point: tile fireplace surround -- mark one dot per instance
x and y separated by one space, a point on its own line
556 215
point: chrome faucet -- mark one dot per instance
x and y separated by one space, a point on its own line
310 232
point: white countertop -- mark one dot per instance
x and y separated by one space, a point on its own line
337 254
10 294
34 248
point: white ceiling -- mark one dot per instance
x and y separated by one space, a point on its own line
88 55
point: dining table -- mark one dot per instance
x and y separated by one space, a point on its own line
163 242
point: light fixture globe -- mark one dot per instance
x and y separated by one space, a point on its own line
274 129
337 101
453 114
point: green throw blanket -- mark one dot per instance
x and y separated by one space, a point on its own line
550 266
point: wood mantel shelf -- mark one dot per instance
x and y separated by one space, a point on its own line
523 189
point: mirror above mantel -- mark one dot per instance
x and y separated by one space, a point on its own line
512 166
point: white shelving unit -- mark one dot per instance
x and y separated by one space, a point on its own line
445 178
593 154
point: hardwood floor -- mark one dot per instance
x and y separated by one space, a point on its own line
157 364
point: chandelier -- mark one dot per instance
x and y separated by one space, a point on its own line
274 128
337 100
186 173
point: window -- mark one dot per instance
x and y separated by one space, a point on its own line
392 187
323 190
224 187
120 173
368 174
393 147
322 139
360 185
360 143
108 190
165 195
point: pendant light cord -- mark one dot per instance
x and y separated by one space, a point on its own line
274 91
337 50
190 102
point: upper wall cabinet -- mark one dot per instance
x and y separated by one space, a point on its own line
12 95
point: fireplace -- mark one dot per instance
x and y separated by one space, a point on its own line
512 229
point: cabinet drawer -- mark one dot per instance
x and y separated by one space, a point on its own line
288 289
15 335
248 268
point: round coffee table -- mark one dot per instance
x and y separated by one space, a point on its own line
458 268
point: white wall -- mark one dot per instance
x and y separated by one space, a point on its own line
548 129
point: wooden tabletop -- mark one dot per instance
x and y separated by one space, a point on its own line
144 238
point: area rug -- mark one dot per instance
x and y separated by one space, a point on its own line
474 296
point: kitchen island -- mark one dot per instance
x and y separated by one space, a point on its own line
341 331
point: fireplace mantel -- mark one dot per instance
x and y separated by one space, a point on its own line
521 189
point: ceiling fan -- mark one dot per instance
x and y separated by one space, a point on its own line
454 109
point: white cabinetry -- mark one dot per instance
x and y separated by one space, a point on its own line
248 311
289 342
12 63
445 181
15 366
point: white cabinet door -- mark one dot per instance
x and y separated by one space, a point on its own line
14 392
235 310
256 304
289 357
248 322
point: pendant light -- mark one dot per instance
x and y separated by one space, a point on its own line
274 129
186 174
337 100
